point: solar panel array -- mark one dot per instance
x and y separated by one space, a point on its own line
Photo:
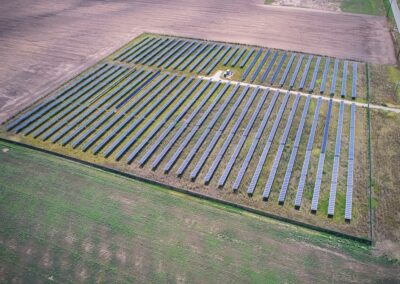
350 166
131 113
321 162
335 170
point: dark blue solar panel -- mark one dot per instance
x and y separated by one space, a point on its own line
289 169
177 135
202 57
260 66
335 71
192 58
248 70
287 69
56 99
278 68
326 68
263 157
132 103
210 58
306 162
154 48
269 67
187 54
244 61
137 52
174 52
314 77
209 70
344 79
132 48
38 117
305 72
175 57
354 83
296 72
233 52
69 105
237 58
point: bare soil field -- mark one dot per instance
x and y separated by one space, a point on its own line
42 44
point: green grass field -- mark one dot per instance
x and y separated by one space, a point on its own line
64 222
370 7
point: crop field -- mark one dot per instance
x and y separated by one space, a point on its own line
152 109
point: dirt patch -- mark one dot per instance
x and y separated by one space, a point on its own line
327 5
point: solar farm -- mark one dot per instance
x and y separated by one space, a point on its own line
283 134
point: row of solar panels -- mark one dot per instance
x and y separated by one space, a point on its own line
88 112
187 55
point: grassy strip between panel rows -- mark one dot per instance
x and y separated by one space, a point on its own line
230 205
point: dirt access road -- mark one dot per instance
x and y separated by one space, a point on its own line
43 43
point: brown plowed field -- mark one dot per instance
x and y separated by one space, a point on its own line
46 42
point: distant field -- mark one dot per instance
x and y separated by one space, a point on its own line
144 110
64 222
369 7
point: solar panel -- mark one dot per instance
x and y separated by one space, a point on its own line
154 48
305 72
202 57
323 82
289 169
278 156
260 66
314 77
246 73
92 129
209 70
170 127
180 51
177 153
132 48
138 89
82 127
233 52
239 146
321 162
335 70
244 61
153 118
76 110
354 83
210 58
256 139
296 71
344 79
228 140
306 162
52 117
156 54
263 157
269 67
335 169
138 120
350 166
187 54
278 68
58 104
287 69
136 52
64 93
172 52
131 104
237 58
243 139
